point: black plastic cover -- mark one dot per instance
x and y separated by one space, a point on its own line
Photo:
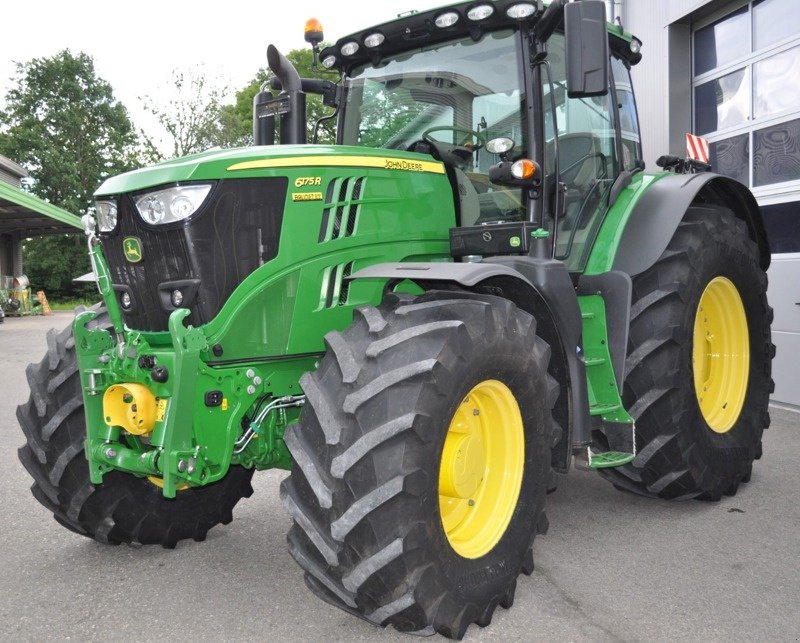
235 231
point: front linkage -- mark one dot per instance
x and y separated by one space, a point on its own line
154 407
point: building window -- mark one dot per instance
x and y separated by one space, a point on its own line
746 89
782 222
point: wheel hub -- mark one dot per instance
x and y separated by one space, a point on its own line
721 354
463 465
481 469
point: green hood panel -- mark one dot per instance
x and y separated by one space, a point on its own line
251 161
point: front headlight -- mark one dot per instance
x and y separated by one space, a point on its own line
106 215
171 204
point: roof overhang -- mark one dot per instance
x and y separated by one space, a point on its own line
29 216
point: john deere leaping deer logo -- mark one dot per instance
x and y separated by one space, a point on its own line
132 247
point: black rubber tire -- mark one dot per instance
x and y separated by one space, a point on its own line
678 455
124 508
363 492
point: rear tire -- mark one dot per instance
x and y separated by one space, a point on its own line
124 508
364 490
679 454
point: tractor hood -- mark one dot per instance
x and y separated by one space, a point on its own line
251 161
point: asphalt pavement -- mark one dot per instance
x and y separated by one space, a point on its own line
613 567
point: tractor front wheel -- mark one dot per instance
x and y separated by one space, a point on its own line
698 369
421 461
124 508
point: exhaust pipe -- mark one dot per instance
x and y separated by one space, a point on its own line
293 114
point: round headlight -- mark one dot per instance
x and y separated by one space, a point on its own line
125 300
444 20
374 40
181 207
328 61
481 12
152 209
349 48
520 11
636 45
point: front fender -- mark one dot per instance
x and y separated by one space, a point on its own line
541 287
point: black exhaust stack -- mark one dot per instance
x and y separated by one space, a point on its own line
291 102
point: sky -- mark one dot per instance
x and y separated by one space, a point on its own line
136 46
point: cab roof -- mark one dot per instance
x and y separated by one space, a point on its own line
417 29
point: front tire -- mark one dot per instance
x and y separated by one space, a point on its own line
699 362
377 497
124 508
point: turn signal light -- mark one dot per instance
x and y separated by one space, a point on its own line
523 169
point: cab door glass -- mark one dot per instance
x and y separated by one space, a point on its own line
583 132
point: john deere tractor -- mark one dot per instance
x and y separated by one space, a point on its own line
477 286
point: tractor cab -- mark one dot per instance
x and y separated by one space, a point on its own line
453 83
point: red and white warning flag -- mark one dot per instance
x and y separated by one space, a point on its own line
697 148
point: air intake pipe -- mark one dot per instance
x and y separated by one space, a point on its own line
263 120
293 112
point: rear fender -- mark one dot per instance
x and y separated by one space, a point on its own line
657 214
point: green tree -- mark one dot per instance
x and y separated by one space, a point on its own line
53 262
237 120
64 125
191 116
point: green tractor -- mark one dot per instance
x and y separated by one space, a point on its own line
475 288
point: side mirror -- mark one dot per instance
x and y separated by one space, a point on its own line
587 48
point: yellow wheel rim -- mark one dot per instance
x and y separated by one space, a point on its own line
481 469
159 482
721 354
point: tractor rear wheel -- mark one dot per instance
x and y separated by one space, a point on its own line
124 508
422 459
699 360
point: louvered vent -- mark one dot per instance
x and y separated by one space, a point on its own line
335 285
342 208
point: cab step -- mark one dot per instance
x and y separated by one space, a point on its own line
608 459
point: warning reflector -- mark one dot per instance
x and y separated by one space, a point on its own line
696 148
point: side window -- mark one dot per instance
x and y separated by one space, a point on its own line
582 131
628 118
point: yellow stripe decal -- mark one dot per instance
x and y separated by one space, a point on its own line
383 162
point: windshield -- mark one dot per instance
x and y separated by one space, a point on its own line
461 94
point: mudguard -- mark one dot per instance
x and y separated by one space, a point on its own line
541 287
656 216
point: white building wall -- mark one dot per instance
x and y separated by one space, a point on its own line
663 85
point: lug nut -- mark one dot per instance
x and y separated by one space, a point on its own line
250 373
251 390
257 380
182 465
111 453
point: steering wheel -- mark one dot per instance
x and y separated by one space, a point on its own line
463 130
457 155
